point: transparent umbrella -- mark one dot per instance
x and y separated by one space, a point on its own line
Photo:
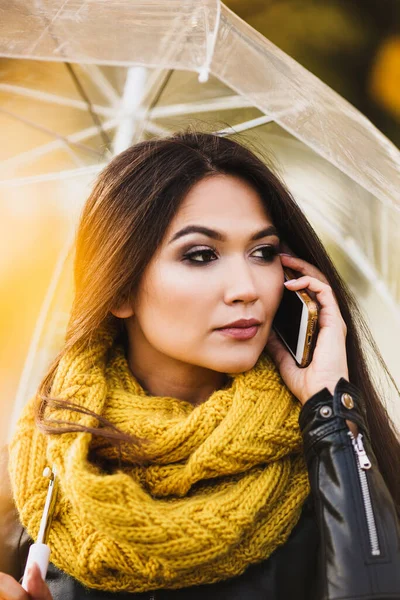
82 80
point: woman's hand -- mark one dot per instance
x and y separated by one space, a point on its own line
12 590
329 361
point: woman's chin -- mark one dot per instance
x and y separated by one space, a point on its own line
235 364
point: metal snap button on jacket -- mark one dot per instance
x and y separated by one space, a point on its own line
325 411
347 401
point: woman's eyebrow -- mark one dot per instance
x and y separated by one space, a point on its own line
216 235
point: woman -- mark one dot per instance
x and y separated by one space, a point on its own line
194 456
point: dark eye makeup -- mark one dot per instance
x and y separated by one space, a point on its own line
204 255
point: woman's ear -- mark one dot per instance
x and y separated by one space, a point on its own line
124 311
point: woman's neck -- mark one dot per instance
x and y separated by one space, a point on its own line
161 375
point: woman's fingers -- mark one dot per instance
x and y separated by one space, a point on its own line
11 589
302 267
330 314
37 588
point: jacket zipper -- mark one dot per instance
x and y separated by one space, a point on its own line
363 464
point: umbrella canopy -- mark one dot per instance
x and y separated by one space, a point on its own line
82 80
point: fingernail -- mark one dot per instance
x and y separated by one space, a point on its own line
30 576
34 571
285 254
290 281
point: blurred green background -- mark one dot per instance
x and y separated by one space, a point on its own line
352 45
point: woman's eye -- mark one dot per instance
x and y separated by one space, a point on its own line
266 253
200 256
203 256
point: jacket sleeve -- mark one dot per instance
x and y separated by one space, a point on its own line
359 556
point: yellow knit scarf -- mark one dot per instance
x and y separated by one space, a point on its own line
222 487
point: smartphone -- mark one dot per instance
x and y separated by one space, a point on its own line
296 322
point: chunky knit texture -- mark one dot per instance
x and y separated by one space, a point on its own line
214 488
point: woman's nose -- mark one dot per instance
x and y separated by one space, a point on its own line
240 285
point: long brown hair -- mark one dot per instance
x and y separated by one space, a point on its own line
123 222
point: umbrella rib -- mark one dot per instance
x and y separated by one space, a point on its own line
224 103
102 84
73 138
60 137
53 98
94 115
50 146
54 176
156 129
246 125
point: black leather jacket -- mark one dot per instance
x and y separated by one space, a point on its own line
346 545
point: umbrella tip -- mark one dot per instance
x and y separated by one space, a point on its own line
203 75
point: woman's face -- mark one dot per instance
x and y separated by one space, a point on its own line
217 264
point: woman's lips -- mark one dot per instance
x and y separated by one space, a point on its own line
240 333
